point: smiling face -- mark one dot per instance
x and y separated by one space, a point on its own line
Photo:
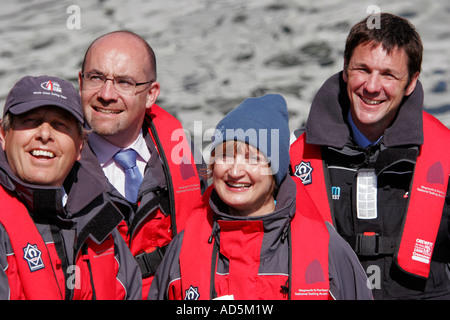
377 82
42 145
117 117
243 179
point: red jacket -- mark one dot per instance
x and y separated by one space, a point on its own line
241 242
414 251
288 254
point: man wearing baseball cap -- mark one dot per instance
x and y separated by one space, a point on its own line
58 236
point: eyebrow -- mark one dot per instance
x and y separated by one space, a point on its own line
397 73
115 76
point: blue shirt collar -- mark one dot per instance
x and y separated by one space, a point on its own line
360 139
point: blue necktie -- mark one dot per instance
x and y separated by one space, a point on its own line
133 177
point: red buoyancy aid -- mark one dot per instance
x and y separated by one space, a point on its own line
309 242
426 199
39 266
173 147
157 230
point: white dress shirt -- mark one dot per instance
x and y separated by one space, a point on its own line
104 150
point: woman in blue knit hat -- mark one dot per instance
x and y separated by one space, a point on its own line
256 234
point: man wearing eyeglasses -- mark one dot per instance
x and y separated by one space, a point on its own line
118 90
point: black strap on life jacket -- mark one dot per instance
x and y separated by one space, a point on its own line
148 262
371 244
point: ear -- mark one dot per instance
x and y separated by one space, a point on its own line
344 76
80 144
412 85
2 135
152 94
80 147
80 81
344 72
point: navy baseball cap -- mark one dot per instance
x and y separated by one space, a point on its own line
32 92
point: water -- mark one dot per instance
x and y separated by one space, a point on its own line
212 54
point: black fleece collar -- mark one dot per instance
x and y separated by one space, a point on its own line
326 124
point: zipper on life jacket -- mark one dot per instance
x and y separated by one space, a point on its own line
213 292
61 251
215 253
286 289
84 252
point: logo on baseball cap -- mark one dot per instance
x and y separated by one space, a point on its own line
33 92
50 86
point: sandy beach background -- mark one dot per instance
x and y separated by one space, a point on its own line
212 54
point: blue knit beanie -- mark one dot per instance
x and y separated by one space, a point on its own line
262 122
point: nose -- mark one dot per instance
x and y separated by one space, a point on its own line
237 169
44 132
107 92
373 83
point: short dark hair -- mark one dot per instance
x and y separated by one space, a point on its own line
150 52
394 32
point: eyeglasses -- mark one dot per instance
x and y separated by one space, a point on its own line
124 86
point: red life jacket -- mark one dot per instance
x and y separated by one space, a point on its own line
148 240
426 197
39 267
309 243
173 147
